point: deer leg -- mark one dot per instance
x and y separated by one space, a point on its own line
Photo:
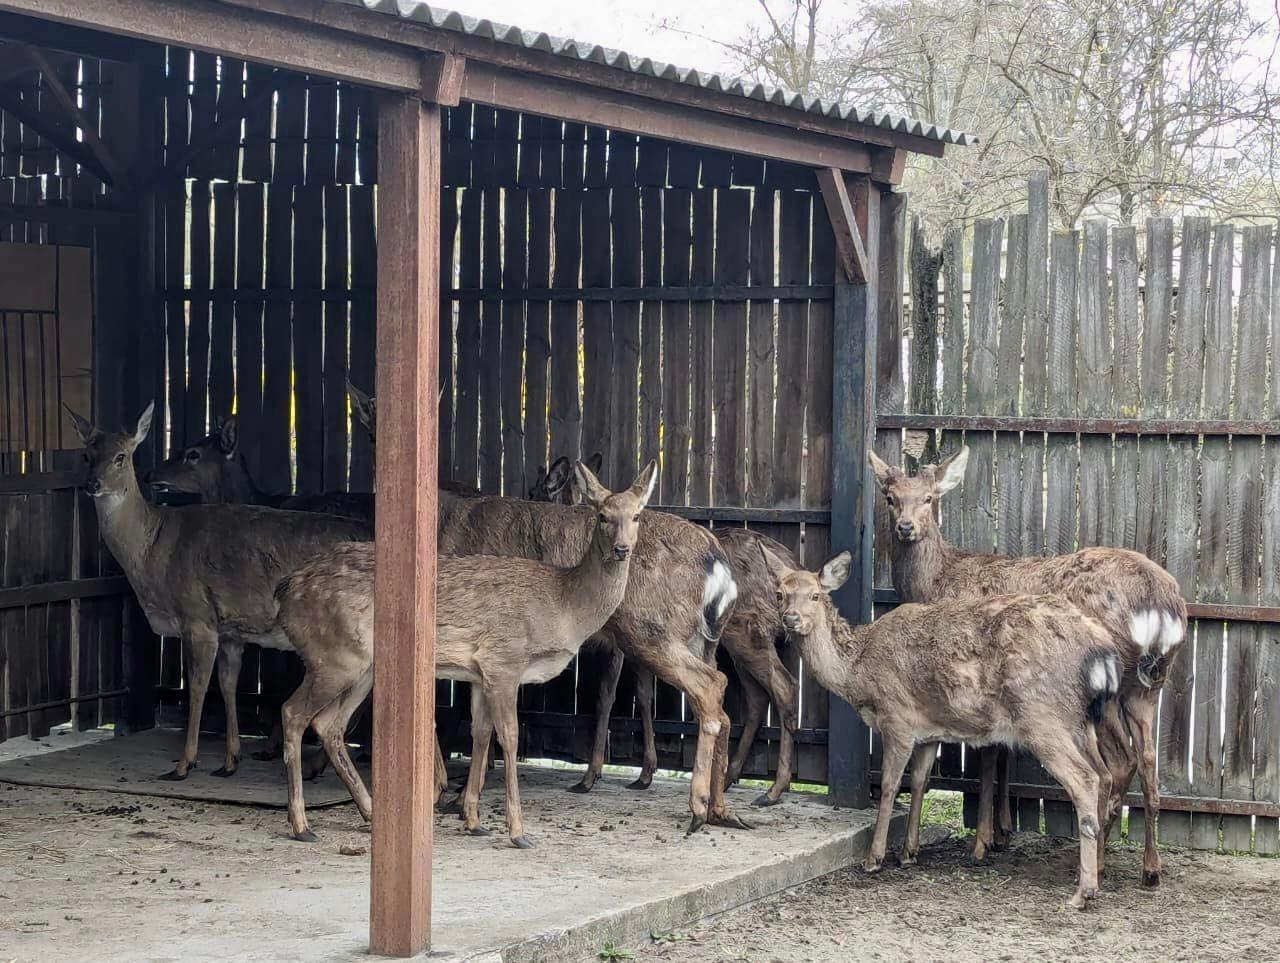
644 709
604 708
893 764
199 651
1119 758
921 768
1004 816
982 839
273 747
481 733
1141 712
442 774
502 704
1093 753
331 726
782 691
757 702
1066 761
229 657
313 695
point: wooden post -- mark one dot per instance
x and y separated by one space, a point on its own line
852 494
405 580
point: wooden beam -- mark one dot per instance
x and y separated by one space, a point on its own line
405 579
69 40
245 32
60 138
668 120
442 78
851 252
855 334
888 166
53 85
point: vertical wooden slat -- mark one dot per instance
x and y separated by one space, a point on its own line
348 127
1096 367
1183 688
538 336
624 403
515 245
1121 509
198 317
404 584
221 331
175 279
729 369
566 412
1008 446
248 320
256 165
277 473
651 214
762 354
226 156
1266 754
448 262
597 325
291 132
701 350
467 420
1149 511
951 392
322 131
363 320
490 452
677 427
336 274
979 532
308 337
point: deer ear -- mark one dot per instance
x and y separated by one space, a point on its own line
884 472
83 428
229 436
144 425
642 487
596 462
364 405
589 485
558 475
777 568
836 572
951 472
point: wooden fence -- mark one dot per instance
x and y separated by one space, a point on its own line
1118 390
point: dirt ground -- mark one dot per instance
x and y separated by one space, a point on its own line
1209 907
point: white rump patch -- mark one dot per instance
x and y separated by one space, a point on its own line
719 588
1113 676
1144 628
1171 632
1098 676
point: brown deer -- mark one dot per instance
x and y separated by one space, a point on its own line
1016 669
204 573
554 484
679 598
1134 598
500 623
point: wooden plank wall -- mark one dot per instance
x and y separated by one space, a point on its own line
1104 323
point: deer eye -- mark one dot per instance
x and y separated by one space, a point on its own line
781 598
888 499
814 597
119 459
928 499
603 519
193 454
635 517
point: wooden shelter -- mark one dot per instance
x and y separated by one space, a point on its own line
197 181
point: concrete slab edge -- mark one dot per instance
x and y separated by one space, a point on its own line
632 924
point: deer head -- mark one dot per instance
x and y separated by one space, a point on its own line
802 595
618 514
198 468
910 499
109 455
365 408
553 484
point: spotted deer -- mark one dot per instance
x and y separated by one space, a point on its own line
1136 600
500 622
204 573
1015 669
680 596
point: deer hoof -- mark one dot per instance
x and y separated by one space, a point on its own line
641 783
454 805
581 788
908 859
173 776
695 823
871 864
521 842
306 836
763 800
264 755
478 831
224 772
1150 877
728 820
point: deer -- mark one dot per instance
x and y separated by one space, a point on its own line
1137 601
1029 670
554 484
500 622
750 638
204 573
680 596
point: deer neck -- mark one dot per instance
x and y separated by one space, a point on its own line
238 486
918 565
595 586
128 523
832 651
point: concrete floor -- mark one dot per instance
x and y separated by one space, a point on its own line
92 875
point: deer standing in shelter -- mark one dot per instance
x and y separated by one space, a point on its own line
1136 600
1022 669
500 623
204 573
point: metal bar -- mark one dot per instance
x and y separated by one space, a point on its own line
704 513
709 292
1195 610
19 596
56 703
1083 426
1198 804
666 727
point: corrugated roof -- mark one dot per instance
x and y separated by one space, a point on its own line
621 60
